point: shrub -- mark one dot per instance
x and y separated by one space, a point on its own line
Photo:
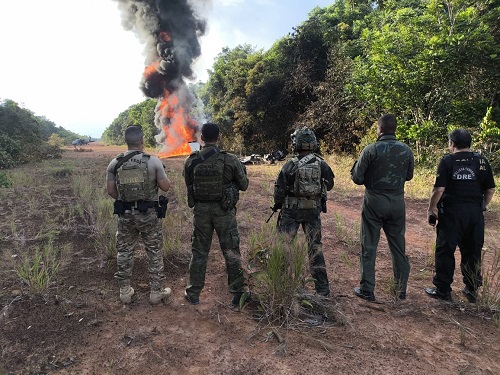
5 180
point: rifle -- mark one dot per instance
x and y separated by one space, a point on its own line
270 216
275 208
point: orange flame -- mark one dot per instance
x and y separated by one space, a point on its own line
150 69
179 129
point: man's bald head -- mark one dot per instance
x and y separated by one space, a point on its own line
133 136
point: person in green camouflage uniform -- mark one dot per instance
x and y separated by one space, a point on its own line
383 167
138 218
214 179
303 210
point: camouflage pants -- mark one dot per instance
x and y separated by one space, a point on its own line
310 220
383 211
208 217
149 228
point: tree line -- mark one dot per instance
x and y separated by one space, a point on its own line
25 137
434 64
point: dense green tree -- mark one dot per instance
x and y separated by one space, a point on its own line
21 138
432 66
18 123
141 114
432 63
225 96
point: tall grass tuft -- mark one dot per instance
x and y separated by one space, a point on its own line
347 232
40 269
5 180
176 229
281 269
104 230
490 291
177 223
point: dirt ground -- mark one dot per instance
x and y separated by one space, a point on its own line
80 327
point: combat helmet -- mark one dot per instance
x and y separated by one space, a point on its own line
303 139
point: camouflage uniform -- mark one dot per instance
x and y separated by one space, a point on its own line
383 167
210 215
291 217
134 224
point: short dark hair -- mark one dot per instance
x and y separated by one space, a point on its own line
210 132
133 135
461 138
388 124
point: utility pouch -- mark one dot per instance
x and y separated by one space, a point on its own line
118 207
230 197
190 195
143 206
161 208
323 204
440 207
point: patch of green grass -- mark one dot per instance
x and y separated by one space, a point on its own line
489 296
345 259
176 229
104 230
38 270
279 271
393 288
5 180
22 178
347 232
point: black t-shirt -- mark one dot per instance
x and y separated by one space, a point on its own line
465 176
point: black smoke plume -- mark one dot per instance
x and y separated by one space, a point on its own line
170 30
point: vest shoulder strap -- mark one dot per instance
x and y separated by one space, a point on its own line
123 159
299 163
201 159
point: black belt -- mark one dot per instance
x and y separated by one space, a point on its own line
137 205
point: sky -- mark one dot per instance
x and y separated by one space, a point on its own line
72 61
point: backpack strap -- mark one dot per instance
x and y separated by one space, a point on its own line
123 159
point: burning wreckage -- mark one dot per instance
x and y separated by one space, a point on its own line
170 31
271 158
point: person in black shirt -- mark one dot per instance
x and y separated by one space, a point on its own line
464 187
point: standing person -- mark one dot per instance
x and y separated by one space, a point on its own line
383 167
214 179
133 179
300 192
464 187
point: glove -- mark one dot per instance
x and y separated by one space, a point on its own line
277 206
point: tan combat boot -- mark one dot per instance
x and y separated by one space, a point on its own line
126 291
156 296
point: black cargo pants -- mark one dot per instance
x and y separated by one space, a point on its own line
459 225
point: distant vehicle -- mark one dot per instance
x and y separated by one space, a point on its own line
81 142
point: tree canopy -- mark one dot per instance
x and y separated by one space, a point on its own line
24 136
434 64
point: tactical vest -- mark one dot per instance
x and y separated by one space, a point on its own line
464 184
208 178
307 181
132 180
464 168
